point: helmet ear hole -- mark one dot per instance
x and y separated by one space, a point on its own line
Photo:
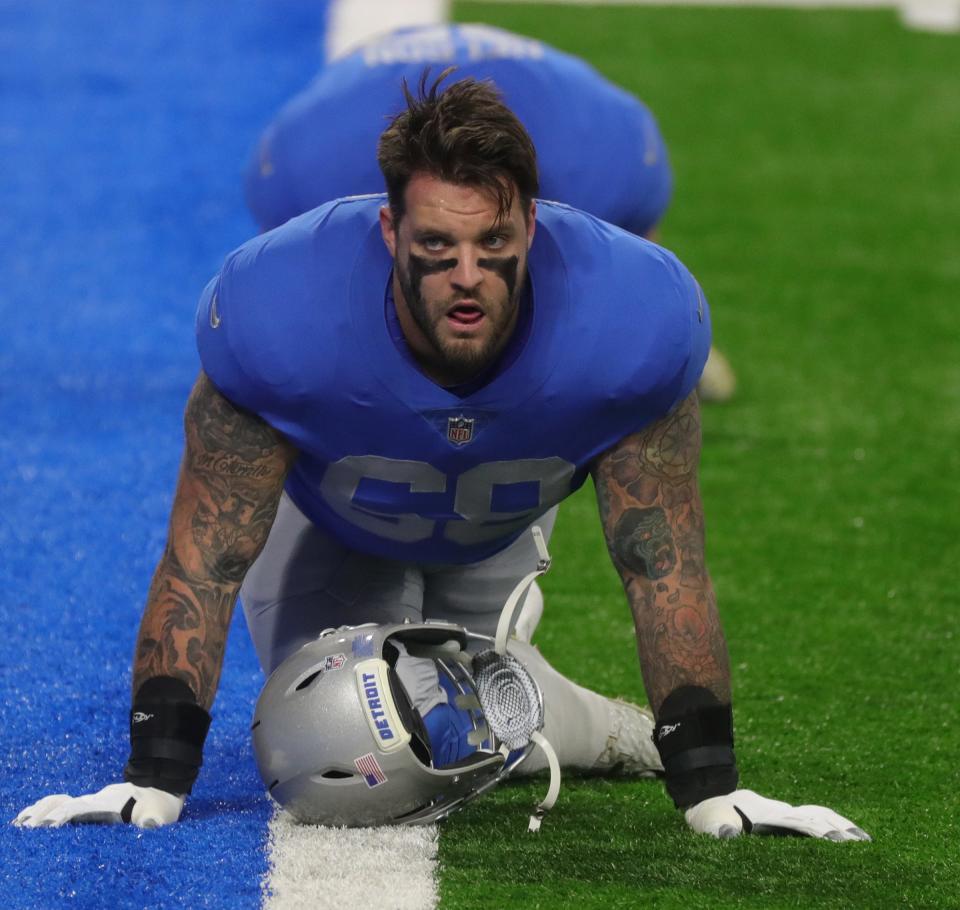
307 680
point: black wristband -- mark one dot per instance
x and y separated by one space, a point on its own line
694 735
167 732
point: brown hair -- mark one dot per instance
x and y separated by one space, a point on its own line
464 134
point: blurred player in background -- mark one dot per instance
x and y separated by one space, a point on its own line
599 147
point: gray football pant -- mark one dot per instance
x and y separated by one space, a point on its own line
305 581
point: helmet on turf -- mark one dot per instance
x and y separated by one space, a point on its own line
338 741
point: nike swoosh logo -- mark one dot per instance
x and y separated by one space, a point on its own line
214 315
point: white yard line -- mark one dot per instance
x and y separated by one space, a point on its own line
351 23
361 868
350 869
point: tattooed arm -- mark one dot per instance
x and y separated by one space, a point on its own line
653 522
231 478
230 482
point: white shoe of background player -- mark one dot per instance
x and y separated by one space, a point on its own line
718 382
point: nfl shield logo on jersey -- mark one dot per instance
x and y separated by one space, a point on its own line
460 429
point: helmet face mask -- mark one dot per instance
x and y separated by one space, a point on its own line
338 741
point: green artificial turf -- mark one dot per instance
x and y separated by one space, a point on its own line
817 164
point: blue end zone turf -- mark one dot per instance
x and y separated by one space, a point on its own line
123 135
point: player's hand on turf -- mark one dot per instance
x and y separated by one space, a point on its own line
746 812
145 807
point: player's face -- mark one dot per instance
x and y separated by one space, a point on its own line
458 274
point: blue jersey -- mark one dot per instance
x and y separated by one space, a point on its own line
599 148
296 329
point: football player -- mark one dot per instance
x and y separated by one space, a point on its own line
599 147
393 390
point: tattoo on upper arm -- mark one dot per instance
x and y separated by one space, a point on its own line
230 439
653 520
646 477
237 463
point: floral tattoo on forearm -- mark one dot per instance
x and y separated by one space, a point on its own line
653 522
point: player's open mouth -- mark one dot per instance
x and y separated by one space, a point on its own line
465 314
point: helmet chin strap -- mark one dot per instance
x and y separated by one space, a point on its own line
508 615
554 790
506 622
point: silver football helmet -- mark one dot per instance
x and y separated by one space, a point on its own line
339 742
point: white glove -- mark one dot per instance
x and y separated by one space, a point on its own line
746 811
150 808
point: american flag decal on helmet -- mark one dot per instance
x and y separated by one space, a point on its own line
334 661
460 429
370 768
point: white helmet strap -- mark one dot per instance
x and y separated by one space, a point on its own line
554 790
507 619
512 606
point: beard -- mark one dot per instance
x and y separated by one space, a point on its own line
460 359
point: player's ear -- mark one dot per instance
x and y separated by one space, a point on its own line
388 229
531 222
